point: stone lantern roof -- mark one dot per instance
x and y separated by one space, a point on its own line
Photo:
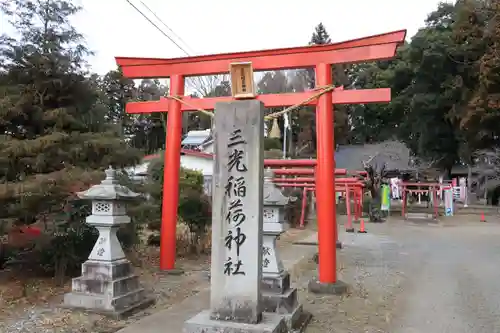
272 194
109 189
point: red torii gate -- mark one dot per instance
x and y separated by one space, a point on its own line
321 57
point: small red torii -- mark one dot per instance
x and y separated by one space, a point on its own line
321 57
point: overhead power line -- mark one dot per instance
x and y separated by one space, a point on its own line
166 26
157 27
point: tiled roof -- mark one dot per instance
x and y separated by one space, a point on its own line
394 154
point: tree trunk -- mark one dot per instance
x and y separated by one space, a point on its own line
468 183
375 213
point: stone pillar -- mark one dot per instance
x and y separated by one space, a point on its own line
277 296
236 269
107 284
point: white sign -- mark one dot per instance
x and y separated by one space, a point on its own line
448 202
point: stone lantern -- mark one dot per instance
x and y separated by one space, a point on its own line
107 284
277 296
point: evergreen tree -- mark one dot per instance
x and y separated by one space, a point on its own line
54 135
320 36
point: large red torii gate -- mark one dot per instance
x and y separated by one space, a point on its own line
321 57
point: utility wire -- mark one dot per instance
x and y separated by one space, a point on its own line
157 27
166 26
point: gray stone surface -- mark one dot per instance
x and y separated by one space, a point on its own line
125 305
236 269
202 323
281 303
295 320
107 288
419 216
107 284
277 296
337 288
276 284
171 320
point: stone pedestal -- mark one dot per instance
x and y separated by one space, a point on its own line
336 288
107 284
236 269
277 295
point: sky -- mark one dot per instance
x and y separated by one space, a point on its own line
114 28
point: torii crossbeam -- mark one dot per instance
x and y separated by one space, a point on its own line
321 57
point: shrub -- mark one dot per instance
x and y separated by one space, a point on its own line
194 208
273 153
65 242
272 143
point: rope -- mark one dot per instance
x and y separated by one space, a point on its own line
321 91
208 113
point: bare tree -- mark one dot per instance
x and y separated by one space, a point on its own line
377 161
488 163
376 172
204 86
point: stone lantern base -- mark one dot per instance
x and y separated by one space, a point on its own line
108 288
278 297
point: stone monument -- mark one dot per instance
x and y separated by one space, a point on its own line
107 284
277 296
236 265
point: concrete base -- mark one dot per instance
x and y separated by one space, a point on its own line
337 288
108 288
279 298
302 321
280 303
419 216
285 304
276 284
201 323
77 302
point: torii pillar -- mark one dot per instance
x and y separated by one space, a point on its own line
320 57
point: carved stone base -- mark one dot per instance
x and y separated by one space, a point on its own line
109 288
276 284
278 297
201 323
285 304
337 288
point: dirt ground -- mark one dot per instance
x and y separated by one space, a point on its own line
404 277
33 305
38 310
412 277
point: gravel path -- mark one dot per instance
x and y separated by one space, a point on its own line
457 289
410 278
405 278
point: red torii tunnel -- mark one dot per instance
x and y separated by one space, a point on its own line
321 57
346 185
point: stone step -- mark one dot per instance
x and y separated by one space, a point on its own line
284 303
107 271
104 302
419 216
129 299
119 286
